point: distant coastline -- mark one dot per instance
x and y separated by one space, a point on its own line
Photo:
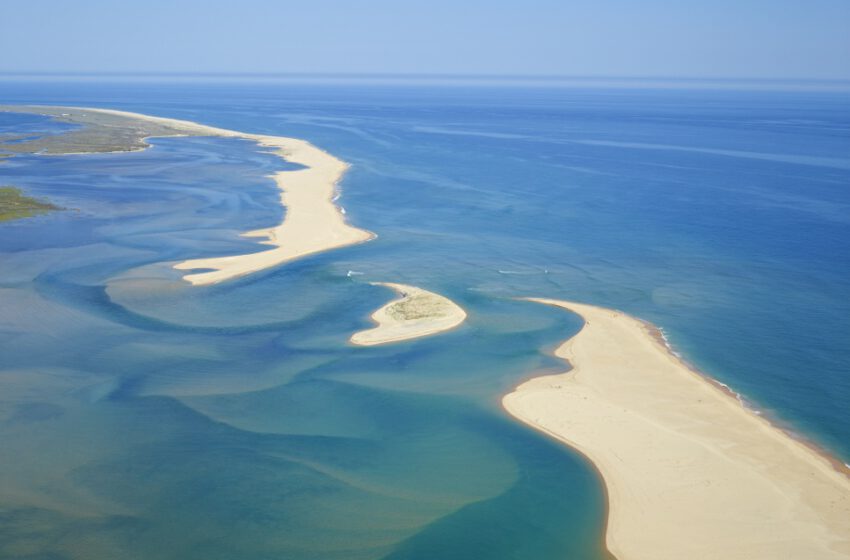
313 223
689 471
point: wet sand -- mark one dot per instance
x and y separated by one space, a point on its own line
689 471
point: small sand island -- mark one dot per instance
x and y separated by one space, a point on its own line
416 313
14 205
313 223
690 472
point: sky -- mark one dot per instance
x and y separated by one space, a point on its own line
752 39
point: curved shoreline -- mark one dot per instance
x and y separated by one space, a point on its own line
414 314
313 223
703 444
688 471
658 334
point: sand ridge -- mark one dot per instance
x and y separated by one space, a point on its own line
414 314
313 222
689 472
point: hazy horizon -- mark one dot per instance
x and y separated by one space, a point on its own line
438 80
758 40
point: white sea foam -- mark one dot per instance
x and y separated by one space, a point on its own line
667 343
744 402
739 397
524 272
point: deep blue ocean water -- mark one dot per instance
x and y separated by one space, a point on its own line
141 417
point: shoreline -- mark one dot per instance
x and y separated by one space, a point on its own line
416 313
689 471
312 222
778 424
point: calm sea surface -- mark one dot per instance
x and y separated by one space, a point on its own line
143 418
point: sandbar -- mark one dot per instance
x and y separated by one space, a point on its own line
414 314
689 471
312 223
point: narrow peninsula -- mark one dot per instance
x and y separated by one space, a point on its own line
312 223
414 314
14 205
689 471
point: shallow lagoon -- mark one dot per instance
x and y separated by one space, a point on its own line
151 419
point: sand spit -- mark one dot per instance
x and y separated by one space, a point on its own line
690 473
313 223
416 313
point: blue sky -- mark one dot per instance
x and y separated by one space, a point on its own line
667 38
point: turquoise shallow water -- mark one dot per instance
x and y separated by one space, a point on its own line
142 417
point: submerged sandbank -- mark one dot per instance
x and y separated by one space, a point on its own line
416 313
689 472
312 223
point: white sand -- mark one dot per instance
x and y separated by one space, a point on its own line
690 473
313 223
416 313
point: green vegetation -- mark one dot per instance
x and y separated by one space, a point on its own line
15 205
91 132
419 306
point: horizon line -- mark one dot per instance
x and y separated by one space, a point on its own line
450 80
424 75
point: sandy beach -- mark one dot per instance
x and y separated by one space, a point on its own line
312 223
689 472
414 314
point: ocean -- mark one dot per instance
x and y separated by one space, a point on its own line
142 417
